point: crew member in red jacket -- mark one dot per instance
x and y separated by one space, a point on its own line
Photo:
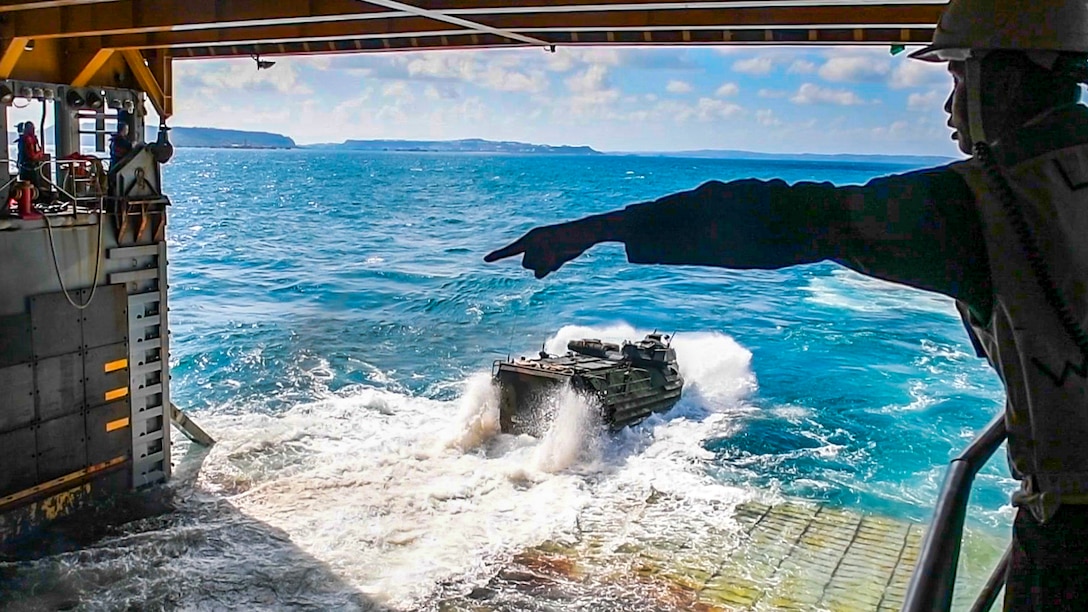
31 157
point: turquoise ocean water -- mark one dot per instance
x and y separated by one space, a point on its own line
333 324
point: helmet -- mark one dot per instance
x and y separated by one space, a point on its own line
1042 28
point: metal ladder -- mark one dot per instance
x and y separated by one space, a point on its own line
149 358
934 579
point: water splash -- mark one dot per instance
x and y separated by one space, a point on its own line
478 420
574 433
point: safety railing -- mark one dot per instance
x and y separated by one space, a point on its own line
934 579
80 184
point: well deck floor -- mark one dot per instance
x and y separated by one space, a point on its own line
785 556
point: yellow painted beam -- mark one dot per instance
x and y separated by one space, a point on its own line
87 73
146 79
63 480
12 52
161 64
145 16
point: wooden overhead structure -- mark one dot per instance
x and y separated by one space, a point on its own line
132 43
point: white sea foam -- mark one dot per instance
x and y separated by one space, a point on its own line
574 434
398 494
851 291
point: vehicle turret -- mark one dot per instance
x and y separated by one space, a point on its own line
625 383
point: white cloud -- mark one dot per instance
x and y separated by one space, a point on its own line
914 73
708 109
801 67
592 95
397 89
814 94
704 110
243 74
766 118
924 102
772 93
852 69
726 90
560 61
755 65
566 59
895 130
593 78
679 87
498 72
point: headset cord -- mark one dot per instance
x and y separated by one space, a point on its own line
1031 249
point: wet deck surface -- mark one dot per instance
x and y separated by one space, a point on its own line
786 556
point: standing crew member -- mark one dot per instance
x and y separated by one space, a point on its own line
1004 233
120 144
31 157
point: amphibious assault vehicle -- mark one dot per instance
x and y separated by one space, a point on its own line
626 383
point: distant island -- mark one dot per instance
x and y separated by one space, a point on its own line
241 139
216 138
469 145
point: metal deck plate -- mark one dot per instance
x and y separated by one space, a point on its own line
20 468
106 320
56 327
15 340
16 396
787 556
60 386
62 446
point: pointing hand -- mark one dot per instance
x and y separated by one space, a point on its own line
545 249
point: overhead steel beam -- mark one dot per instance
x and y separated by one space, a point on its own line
29 5
161 64
150 16
338 30
147 16
589 6
97 61
465 39
155 91
540 28
464 23
13 50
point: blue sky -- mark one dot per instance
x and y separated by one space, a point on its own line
774 99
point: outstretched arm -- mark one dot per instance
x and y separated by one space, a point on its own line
546 249
920 229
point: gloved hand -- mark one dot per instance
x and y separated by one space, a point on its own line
547 248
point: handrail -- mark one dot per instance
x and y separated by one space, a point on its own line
934 578
988 597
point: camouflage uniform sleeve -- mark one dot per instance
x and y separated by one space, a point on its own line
920 229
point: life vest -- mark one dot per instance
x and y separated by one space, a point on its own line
29 150
1044 373
119 147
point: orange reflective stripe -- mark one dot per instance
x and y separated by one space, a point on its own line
113 366
118 424
116 394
